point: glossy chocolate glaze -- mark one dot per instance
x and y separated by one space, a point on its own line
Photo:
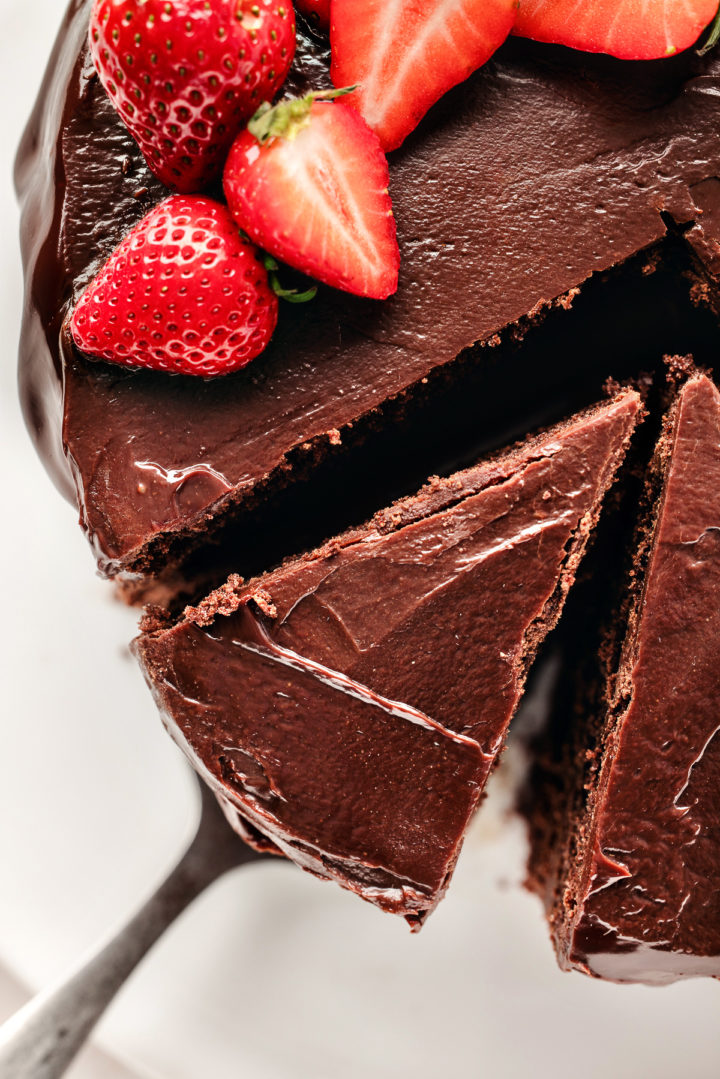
642 901
305 696
544 167
348 783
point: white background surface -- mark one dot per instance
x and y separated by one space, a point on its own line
271 975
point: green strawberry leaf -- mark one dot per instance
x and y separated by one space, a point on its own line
290 295
713 36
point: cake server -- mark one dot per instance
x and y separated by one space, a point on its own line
41 1040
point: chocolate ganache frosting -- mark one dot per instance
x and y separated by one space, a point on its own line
543 168
636 891
351 704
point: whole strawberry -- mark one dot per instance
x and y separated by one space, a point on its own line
184 292
185 75
308 182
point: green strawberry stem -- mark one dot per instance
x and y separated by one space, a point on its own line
291 295
713 36
287 118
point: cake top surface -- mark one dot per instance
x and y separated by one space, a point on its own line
541 169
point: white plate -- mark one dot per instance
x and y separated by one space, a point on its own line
271 975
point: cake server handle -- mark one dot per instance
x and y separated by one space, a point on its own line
41 1040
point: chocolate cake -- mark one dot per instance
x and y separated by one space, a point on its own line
351 704
558 217
544 168
626 826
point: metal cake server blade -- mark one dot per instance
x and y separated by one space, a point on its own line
42 1039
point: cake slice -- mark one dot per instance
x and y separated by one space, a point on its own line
542 169
351 704
631 876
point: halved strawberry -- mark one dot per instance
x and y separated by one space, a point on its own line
316 11
628 29
308 182
405 54
185 75
184 292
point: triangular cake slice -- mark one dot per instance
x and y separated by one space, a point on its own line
632 882
351 704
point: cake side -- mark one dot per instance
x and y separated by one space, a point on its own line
565 752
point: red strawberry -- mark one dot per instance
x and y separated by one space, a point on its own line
308 182
629 29
316 11
185 75
184 292
404 55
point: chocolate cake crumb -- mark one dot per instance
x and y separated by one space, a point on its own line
678 369
263 600
154 619
700 293
566 301
223 601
